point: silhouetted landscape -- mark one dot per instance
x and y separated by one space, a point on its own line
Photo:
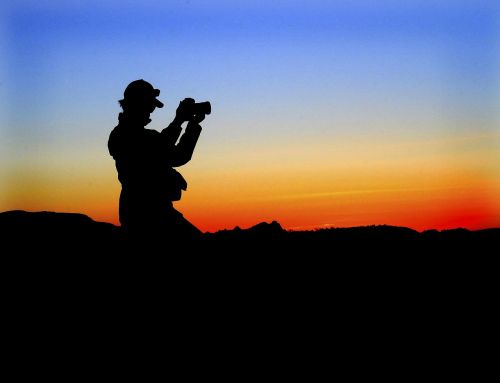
358 272
69 232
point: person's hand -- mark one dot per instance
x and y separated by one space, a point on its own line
184 110
197 118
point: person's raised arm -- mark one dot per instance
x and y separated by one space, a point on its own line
184 149
171 133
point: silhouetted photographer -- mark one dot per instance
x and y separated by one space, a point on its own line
145 161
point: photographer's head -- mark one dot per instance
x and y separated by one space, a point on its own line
139 99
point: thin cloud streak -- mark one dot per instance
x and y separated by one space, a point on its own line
352 192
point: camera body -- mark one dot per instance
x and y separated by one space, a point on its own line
199 108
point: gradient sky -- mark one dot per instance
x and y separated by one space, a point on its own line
325 113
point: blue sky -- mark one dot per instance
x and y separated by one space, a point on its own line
232 51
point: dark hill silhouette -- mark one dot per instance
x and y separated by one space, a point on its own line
76 259
52 231
261 231
75 232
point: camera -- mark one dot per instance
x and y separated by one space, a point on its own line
200 108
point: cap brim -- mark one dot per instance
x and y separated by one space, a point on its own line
158 103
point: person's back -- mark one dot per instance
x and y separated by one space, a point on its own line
145 159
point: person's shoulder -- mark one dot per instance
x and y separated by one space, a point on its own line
115 130
120 136
151 132
116 133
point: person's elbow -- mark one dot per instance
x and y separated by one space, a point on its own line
181 159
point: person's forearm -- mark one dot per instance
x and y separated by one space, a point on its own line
193 128
177 121
172 132
184 149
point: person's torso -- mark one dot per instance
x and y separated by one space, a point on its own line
139 155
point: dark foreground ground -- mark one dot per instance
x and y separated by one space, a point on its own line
60 250
67 277
70 234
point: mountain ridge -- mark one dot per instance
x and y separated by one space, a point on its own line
23 217
17 219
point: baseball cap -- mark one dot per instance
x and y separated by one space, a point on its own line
141 90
